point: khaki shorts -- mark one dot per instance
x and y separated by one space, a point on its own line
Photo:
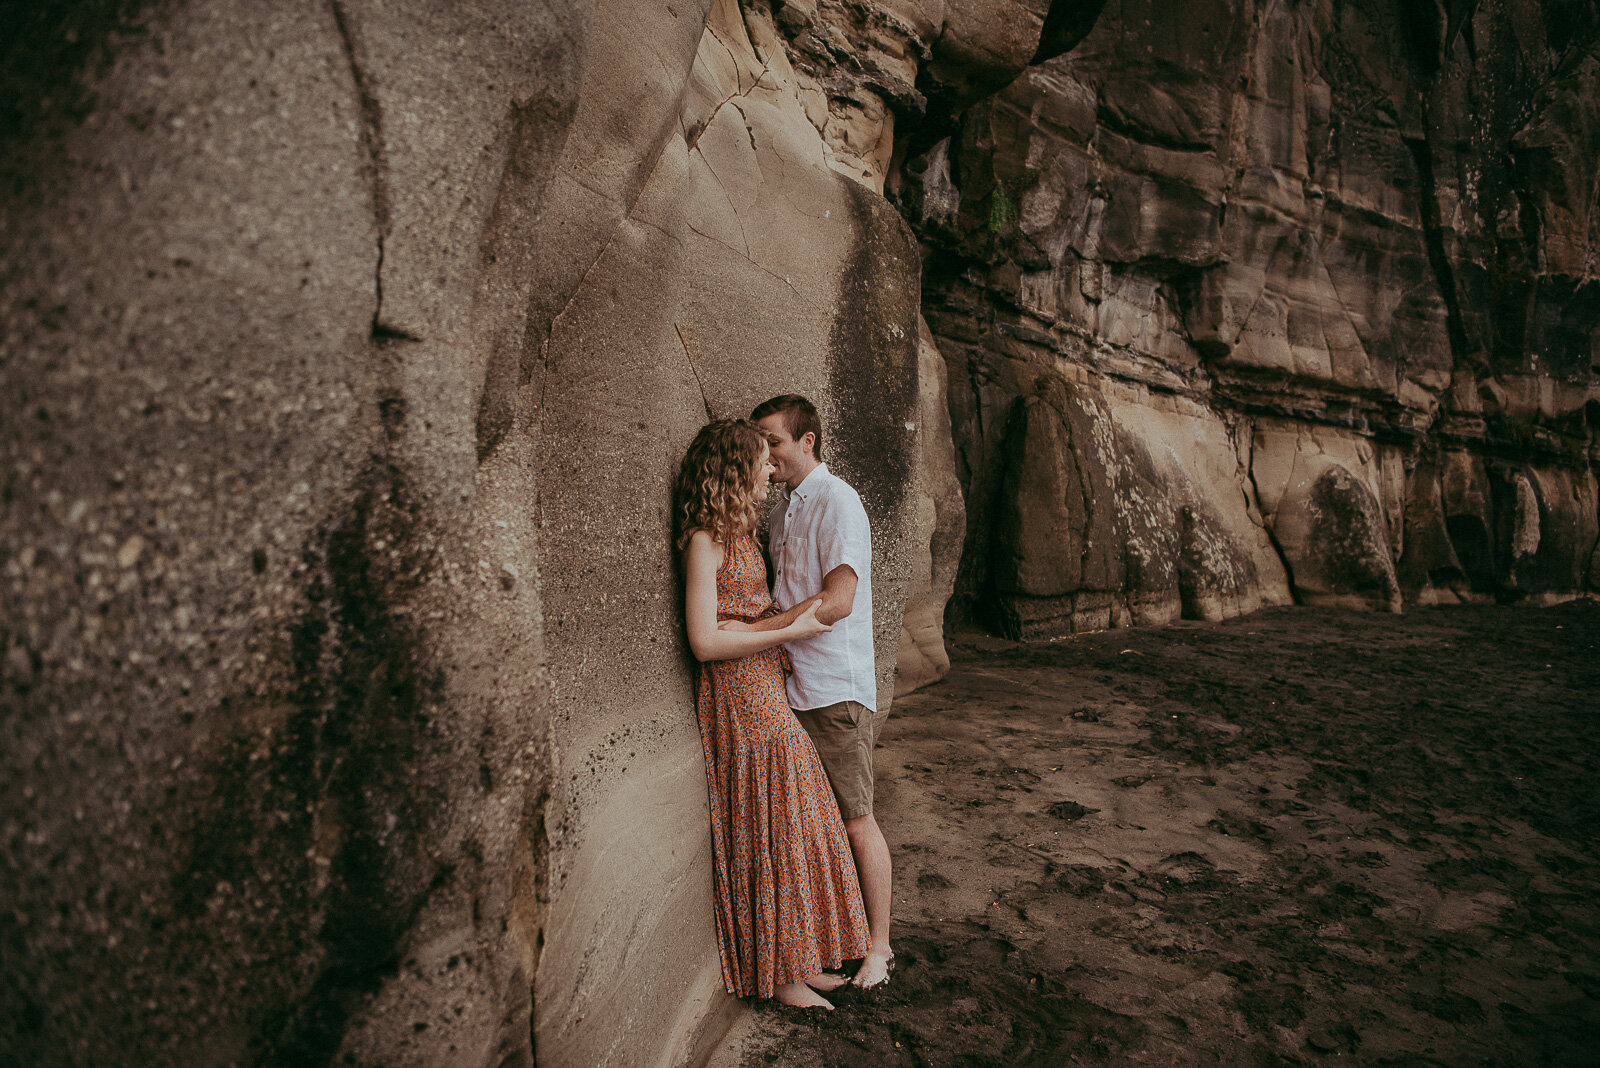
845 735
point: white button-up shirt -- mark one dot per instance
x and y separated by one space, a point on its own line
815 527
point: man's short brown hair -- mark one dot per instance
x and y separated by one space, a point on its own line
799 415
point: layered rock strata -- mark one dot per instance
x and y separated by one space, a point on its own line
1357 247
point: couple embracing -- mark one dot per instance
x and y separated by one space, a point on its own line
786 696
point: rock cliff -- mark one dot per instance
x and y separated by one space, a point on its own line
348 348
1251 302
275 692
708 260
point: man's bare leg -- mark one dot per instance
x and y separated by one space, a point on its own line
877 884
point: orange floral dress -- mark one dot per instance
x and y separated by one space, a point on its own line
788 901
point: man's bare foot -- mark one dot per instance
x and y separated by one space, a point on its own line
874 971
827 981
801 996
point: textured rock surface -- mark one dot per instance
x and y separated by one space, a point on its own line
723 262
268 701
345 364
1359 243
939 528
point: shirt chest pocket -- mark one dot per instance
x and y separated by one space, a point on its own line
789 558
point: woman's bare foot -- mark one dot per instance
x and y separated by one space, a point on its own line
801 996
874 970
827 981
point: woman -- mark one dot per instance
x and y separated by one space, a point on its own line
787 901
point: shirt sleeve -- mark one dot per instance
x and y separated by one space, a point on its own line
844 536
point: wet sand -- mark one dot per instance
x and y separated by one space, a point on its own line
1297 837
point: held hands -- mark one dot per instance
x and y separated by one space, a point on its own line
806 625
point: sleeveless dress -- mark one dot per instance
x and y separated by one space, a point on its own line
788 903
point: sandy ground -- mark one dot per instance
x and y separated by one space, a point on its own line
1294 838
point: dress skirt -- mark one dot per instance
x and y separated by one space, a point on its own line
788 902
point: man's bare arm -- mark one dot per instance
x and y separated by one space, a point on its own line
838 594
777 622
838 598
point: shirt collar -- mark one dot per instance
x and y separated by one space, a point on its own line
811 483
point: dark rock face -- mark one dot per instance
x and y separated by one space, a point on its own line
272 687
347 355
1337 530
1349 234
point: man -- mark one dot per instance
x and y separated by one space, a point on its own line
820 539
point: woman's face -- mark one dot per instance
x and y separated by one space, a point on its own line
763 475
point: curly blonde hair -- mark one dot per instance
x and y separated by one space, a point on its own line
714 489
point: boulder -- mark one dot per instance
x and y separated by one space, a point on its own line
1323 494
1331 528
1549 521
1112 512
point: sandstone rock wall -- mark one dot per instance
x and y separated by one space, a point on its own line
347 354
271 713
721 261
938 531
1353 244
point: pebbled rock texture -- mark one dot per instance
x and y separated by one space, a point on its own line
712 258
272 712
938 531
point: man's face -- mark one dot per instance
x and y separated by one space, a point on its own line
791 459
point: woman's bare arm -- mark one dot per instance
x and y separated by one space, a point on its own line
701 559
777 622
838 598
